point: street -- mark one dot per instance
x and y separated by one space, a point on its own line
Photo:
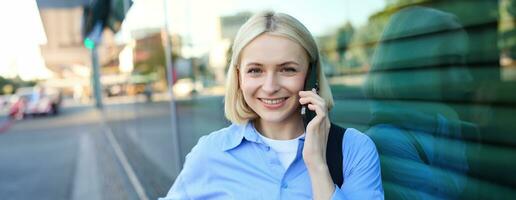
71 156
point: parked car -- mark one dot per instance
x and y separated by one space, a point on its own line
35 101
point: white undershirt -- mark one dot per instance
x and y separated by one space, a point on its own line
285 149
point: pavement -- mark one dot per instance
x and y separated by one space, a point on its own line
123 151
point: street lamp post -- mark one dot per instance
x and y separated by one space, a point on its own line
91 43
170 82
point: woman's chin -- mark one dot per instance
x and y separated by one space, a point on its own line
271 118
275 117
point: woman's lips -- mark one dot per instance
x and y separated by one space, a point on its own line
273 103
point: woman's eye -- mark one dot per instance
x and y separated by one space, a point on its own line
289 70
254 71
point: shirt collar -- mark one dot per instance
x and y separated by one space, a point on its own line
245 131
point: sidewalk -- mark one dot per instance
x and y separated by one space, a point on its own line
143 131
156 97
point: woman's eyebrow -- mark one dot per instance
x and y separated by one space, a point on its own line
288 63
253 64
250 64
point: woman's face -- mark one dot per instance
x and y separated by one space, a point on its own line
272 71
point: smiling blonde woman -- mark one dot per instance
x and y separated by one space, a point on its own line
267 153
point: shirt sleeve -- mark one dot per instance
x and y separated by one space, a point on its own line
186 181
363 178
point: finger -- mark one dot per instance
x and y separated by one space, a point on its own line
319 111
310 94
317 121
312 100
320 120
307 94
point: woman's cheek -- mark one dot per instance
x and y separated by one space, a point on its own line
299 83
250 86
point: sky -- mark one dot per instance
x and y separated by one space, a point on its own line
20 38
22 33
319 17
198 18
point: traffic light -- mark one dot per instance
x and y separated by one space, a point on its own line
94 13
89 43
102 14
117 14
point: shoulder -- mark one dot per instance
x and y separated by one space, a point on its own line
358 148
353 138
217 140
196 171
209 148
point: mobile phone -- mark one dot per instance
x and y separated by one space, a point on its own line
310 84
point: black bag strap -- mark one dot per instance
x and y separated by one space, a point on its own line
334 153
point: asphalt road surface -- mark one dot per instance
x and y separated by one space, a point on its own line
77 154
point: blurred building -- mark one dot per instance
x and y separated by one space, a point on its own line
220 55
64 52
231 24
149 59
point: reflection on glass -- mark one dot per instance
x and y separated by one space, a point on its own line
507 39
418 65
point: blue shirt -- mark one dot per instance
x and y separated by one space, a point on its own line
234 163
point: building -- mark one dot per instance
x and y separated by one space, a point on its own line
219 55
64 52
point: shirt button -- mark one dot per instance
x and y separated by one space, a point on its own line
284 185
267 148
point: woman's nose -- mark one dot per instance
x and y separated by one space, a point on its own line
271 84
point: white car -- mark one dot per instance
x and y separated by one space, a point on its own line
35 101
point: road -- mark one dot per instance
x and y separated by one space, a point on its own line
71 156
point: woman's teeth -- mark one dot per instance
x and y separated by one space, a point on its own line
273 101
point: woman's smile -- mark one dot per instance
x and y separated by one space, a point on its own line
273 103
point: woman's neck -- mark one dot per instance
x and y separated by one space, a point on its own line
285 130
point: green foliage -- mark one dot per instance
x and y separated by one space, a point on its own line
14 84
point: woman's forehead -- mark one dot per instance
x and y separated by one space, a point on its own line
271 49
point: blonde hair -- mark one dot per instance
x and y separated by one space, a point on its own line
280 24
